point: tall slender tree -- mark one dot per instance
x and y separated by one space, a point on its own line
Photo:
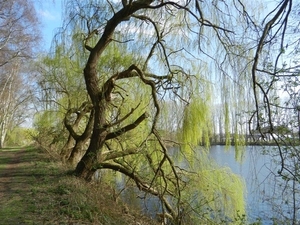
19 38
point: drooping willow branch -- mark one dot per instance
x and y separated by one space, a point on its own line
171 164
134 71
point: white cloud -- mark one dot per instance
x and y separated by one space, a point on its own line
47 15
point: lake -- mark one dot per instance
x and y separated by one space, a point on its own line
269 199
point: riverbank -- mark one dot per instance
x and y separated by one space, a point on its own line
35 189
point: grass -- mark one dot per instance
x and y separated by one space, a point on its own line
40 190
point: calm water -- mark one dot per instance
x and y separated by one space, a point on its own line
268 198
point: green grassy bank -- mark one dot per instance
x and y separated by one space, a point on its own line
36 189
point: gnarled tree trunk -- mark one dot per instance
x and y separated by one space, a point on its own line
101 96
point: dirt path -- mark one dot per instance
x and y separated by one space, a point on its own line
8 165
12 183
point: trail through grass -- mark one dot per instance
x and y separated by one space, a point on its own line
35 189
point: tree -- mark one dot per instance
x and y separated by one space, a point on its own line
61 94
19 34
108 144
11 101
175 45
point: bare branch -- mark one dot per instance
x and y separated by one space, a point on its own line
266 31
128 127
111 155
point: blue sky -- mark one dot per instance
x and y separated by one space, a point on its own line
49 13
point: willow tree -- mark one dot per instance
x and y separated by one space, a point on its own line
175 45
65 116
61 92
138 18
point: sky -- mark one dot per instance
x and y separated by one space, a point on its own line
49 12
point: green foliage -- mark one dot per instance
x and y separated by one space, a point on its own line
116 58
227 125
19 136
63 76
239 144
48 130
216 193
196 126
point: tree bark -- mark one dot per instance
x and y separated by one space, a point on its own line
67 149
78 149
86 167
